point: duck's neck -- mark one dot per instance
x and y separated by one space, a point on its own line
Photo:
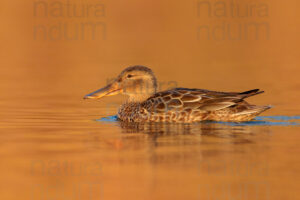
143 90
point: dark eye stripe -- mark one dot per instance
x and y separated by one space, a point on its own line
129 76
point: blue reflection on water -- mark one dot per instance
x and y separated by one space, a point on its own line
258 121
277 117
113 118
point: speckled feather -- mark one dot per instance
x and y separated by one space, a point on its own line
192 105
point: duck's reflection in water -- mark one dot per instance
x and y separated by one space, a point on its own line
139 135
210 146
203 147
237 134
207 138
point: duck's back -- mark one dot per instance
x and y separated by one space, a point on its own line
193 105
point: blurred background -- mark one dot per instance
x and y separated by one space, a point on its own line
73 47
53 52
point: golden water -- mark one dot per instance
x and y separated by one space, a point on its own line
53 147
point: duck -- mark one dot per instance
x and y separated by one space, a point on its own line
178 105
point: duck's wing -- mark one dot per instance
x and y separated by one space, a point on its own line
195 99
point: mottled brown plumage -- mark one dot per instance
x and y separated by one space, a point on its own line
176 105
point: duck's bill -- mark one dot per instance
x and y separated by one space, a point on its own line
108 90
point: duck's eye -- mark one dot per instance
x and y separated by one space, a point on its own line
129 76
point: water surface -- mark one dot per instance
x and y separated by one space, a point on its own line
54 147
76 151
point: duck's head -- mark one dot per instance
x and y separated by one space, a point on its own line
138 82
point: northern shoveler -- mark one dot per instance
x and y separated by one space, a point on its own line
184 105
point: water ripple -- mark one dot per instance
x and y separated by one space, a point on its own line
259 121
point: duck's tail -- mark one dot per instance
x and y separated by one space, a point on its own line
251 112
250 93
253 109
